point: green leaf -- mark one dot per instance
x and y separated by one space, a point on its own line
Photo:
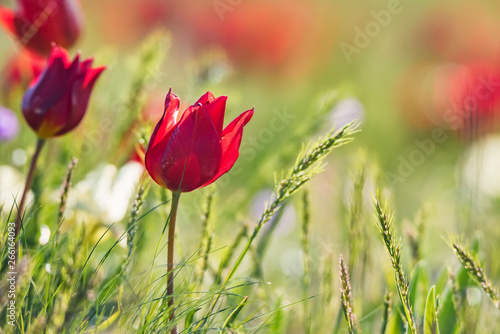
442 280
190 317
109 321
234 314
447 317
419 285
396 324
431 320
278 319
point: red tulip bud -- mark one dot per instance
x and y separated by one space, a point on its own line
38 24
193 151
57 100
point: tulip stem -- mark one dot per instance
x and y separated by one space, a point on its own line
27 186
170 256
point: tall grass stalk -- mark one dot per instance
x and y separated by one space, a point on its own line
393 247
305 259
345 290
65 189
355 215
267 233
145 317
357 233
327 294
415 235
206 233
307 165
387 310
135 211
475 270
242 234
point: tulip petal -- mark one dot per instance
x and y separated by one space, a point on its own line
91 76
80 96
193 153
62 23
231 140
55 118
216 111
68 15
205 99
238 122
7 20
159 138
50 81
85 66
48 90
29 8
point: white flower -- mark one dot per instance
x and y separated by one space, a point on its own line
11 187
106 191
482 164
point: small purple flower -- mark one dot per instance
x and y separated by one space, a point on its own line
9 127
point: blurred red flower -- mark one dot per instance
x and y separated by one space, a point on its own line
474 92
38 24
134 20
195 150
460 33
290 36
464 98
258 34
57 100
21 69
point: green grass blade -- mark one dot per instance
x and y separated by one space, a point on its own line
430 319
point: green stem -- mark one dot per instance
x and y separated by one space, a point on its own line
27 186
408 313
170 256
245 250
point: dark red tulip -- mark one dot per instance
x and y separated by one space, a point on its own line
38 24
57 100
193 151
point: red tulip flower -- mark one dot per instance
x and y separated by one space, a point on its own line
38 24
191 152
194 151
57 100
